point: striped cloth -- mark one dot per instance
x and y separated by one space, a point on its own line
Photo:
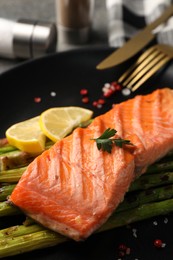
126 17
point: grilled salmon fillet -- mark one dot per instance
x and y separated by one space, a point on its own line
73 187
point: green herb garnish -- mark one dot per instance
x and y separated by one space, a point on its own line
105 141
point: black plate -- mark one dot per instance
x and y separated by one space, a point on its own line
66 74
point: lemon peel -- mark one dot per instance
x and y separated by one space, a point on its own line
27 136
58 122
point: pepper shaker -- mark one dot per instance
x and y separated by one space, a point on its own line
27 38
74 20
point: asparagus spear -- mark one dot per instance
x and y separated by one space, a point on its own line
12 175
147 181
136 199
143 182
12 245
7 148
6 209
46 239
20 230
17 245
158 167
142 212
130 201
17 158
5 191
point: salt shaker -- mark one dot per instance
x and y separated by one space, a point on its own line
27 38
74 20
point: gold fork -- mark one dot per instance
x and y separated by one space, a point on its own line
146 65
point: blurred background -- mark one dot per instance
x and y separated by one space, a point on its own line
45 10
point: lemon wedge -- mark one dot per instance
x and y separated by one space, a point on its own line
58 122
27 136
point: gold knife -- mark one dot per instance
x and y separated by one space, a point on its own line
135 44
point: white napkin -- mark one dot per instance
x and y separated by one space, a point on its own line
127 17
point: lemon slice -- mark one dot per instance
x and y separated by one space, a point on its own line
27 136
58 122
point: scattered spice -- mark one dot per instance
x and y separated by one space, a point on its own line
95 103
123 250
37 99
85 100
122 247
101 101
99 105
110 88
134 230
159 243
155 223
53 93
126 91
107 91
84 91
166 220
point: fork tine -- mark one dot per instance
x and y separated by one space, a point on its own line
139 60
140 73
150 73
141 67
146 65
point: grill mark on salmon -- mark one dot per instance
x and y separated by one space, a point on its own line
73 188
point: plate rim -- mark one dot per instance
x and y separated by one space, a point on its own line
24 63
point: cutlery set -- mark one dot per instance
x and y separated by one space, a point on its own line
149 62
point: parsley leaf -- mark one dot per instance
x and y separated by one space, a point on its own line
105 141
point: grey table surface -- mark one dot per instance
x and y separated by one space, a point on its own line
45 10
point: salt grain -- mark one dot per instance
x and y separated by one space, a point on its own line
104 89
166 220
126 91
155 223
134 230
99 105
107 85
163 245
53 94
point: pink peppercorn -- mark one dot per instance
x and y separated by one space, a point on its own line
158 243
118 87
122 247
95 103
121 253
108 93
37 99
85 100
83 91
123 250
101 101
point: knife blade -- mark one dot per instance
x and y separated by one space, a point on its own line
135 44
